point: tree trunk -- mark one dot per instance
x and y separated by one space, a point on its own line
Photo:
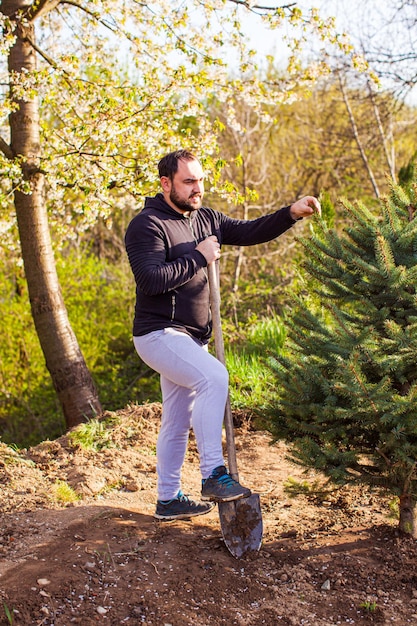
64 360
357 138
407 523
382 133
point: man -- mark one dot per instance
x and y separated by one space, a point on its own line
169 245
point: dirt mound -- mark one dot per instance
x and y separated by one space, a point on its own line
328 557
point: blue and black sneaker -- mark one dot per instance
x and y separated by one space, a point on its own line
181 507
221 487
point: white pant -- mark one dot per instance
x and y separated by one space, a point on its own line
194 388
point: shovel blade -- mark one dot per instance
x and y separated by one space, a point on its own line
241 524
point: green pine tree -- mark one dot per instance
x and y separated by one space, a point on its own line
348 381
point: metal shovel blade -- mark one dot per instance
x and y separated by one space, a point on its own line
240 520
241 524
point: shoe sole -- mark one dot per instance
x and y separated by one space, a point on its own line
171 518
225 498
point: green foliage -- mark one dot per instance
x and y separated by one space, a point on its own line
28 408
348 379
10 455
268 333
251 380
99 295
95 434
313 490
8 614
369 605
64 493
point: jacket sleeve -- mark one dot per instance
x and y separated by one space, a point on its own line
260 230
146 249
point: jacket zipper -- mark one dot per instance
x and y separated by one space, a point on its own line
173 307
205 271
173 299
190 223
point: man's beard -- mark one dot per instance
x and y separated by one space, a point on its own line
183 205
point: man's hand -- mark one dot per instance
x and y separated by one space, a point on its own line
209 248
305 207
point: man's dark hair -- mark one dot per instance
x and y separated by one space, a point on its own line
168 165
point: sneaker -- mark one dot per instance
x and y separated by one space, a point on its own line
221 487
181 507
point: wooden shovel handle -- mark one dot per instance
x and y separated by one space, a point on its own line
213 276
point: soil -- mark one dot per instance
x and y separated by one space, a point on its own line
327 557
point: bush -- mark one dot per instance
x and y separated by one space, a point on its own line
99 296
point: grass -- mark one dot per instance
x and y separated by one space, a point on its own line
252 382
94 435
369 606
8 614
10 455
267 334
314 490
64 493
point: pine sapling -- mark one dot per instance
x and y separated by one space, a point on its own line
347 382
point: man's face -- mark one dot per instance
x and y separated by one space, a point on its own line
186 190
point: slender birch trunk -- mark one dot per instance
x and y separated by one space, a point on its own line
358 139
384 139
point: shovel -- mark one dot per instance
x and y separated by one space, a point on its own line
240 520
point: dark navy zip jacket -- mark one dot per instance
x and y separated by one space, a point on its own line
171 282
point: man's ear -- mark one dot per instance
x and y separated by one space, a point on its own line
165 183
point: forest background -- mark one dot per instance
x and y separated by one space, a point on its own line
336 120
